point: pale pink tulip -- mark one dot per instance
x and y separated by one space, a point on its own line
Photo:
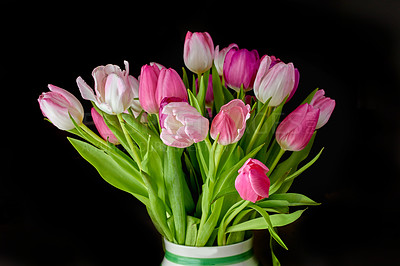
198 52
182 125
274 82
230 122
252 183
113 90
219 57
102 128
325 105
296 130
58 104
240 68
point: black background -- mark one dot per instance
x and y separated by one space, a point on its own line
56 210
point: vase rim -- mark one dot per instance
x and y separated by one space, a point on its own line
217 251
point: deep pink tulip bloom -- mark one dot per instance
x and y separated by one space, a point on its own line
296 130
252 183
230 122
182 125
274 82
240 68
148 87
198 52
58 104
113 91
170 84
102 128
325 105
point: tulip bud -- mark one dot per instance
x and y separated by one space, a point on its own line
252 183
170 84
325 105
219 57
230 122
274 82
58 104
148 87
296 130
198 52
183 125
112 86
102 128
240 68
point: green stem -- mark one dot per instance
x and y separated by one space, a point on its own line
277 158
93 135
133 149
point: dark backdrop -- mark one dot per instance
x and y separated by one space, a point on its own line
56 210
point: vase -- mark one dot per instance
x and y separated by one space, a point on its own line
240 254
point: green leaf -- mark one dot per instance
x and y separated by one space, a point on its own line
293 199
270 228
191 231
185 78
203 85
122 176
193 101
309 97
277 220
208 227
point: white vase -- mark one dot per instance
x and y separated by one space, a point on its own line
240 254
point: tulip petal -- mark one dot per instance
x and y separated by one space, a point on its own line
245 189
259 182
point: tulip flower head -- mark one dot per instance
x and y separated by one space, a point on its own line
252 183
230 122
296 130
182 125
113 90
325 105
219 57
274 82
102 128
148 87
58 104
198 52
240 68
169 84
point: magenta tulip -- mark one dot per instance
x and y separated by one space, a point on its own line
58 104
148 87
296 130
198 52
230 122
252 183
325 105
240 68
274 82
182 125
102 128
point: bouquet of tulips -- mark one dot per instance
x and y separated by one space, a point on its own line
202 152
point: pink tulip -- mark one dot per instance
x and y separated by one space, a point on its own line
230 122
198 52
219 57
102 128
170 84
240 68
113 91
58 104
296 130
252 183
325 105
274 82
183 125
148 87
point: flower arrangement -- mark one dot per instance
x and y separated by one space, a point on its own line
203 155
